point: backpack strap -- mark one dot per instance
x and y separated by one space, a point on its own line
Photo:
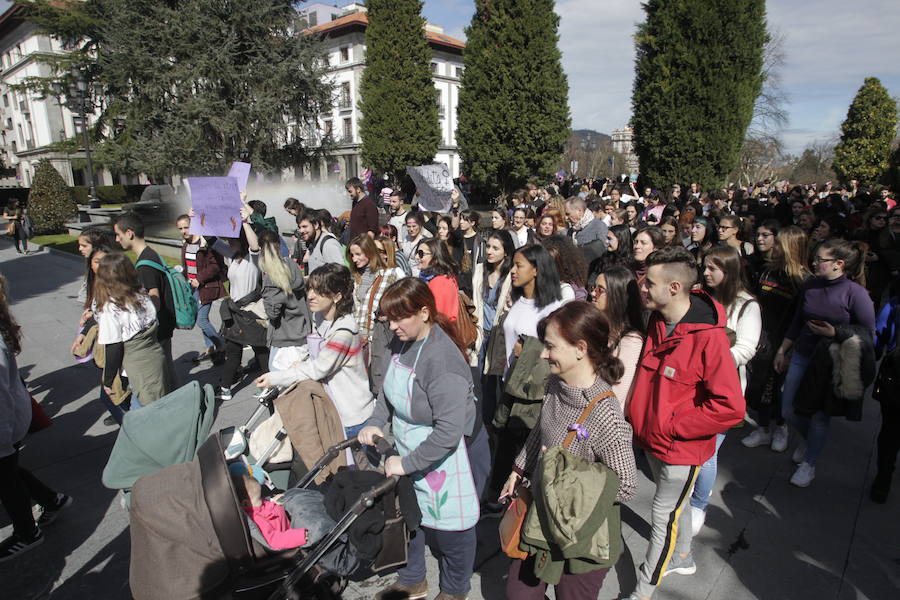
150 263
372 292
584 415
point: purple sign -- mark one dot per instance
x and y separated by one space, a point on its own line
217 206
241 172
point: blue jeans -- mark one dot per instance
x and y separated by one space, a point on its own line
210 336
814 429
454 550
117 412
706 478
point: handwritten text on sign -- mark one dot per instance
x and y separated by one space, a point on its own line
217 206
434 184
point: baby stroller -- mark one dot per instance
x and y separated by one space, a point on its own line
191 538
167 432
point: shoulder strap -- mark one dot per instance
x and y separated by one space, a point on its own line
150 263
584 415
372 291
744 307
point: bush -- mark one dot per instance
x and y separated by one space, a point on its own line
50 202
110 194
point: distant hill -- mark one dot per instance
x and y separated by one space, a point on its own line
589 135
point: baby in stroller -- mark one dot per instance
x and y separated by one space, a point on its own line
270 517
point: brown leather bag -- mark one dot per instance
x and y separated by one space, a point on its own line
514 517
466 321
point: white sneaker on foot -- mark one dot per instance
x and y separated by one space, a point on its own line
698 517
804 475
799 453
780 437
759 437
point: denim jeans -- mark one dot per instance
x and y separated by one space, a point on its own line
706 479
814 429
454 550
210 336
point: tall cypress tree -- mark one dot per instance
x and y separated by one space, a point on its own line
866 135
698 72
513 103
399 125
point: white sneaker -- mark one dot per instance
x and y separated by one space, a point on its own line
759 437
804 475
799 453
698 517
780 437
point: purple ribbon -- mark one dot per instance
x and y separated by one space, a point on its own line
581 431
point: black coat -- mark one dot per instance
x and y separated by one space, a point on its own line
241 326
841 370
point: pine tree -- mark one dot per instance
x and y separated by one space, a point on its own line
513 102
50 200
867 134
698 72
399 125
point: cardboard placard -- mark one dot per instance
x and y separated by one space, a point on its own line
434 185
217 206
241 172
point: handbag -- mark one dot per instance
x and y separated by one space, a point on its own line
514 517
39 419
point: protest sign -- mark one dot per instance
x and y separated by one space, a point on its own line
434 184
241 172
217 206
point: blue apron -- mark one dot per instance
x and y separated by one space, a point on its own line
446 492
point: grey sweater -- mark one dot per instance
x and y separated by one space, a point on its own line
15 403
442 397
289 318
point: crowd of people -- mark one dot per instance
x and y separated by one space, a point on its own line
580 327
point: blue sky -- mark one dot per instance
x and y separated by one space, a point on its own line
830 47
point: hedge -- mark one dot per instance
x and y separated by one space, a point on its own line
110 194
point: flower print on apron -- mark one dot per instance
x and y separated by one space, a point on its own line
446 492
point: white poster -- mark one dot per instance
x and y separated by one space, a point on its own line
433 185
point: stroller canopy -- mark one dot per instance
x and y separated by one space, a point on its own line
166 432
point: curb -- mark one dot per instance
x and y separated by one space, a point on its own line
40 248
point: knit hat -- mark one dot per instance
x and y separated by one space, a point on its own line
254 471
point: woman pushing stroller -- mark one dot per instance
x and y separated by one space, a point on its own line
438 435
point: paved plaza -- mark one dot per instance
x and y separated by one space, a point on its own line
763 537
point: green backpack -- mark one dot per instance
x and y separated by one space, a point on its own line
183 300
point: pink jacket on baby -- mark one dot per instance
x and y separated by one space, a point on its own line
275 526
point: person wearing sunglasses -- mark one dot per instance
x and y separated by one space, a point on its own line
438 270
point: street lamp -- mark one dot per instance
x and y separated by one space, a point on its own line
81 85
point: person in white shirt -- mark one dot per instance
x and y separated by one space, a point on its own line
126 324
397 212
415 234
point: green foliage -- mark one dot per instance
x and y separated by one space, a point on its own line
211 82
513 104
866 134
50 202
399 125
109 194
699 69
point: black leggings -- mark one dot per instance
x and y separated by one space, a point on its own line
18 487
889 437
233 354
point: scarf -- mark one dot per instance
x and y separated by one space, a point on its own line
586 218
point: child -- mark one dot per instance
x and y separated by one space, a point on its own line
271 518
333 353
126 323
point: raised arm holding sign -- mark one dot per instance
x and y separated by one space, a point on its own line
216 202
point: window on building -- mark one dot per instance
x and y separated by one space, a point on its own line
345 54
77 125
345 101
348 130
334 16
19 50
434 67
459 72
328 127
312 18
440 104
6 100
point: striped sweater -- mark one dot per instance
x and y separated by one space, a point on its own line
609 435
339 367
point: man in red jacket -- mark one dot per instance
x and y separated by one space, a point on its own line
364 214
686 391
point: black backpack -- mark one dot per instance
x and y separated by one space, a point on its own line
887 382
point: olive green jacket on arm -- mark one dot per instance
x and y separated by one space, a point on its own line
573 524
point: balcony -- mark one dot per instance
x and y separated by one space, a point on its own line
23 107
345 103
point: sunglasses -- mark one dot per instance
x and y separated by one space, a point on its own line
422 253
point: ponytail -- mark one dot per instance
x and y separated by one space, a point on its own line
853 254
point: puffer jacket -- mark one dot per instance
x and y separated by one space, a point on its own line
573 524
686 389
